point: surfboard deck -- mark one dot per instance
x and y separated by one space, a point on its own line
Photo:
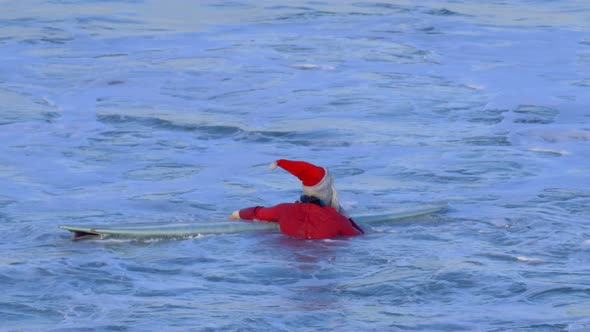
159 231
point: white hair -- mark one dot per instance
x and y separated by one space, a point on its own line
325 191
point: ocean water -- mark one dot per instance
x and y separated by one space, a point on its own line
160 112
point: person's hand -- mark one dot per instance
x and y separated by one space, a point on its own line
235 215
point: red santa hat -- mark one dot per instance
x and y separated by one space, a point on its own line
317 181
309 174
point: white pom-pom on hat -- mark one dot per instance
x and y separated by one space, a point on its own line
272 166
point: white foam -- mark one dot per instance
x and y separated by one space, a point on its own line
476 87
551 151
309 66
529 259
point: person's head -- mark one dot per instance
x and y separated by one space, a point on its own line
317 181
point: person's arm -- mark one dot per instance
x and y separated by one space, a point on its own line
260 213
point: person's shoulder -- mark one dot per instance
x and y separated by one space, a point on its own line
327 209
284 204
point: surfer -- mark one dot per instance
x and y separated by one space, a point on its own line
317 214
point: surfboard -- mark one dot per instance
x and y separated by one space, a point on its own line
183 231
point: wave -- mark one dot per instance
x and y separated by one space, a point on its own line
443 12
325 138
554 152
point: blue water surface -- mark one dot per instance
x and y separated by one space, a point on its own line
160 112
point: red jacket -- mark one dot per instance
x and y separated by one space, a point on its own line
305 220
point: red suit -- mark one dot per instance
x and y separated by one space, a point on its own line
305 220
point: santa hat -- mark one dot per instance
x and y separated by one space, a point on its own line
309 174
317 181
